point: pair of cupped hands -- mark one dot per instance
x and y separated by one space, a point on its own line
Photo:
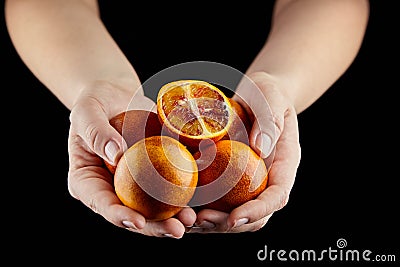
274 136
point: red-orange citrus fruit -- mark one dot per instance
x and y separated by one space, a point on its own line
230 174
194 110
241 124
157 177
134 125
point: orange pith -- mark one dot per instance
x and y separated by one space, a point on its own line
194 110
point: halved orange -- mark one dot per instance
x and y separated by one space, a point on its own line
194 110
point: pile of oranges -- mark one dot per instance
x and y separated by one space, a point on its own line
193 151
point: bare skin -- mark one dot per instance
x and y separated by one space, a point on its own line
311 44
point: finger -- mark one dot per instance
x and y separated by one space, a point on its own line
210 221
171 228
266 105
272 199
91 123
286 158
281 178
91 183
99 196
251 227
187 216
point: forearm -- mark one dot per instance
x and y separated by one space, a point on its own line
66 46
311 44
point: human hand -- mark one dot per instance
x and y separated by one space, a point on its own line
91 140
274 136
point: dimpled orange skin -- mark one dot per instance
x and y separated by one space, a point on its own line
240 169
241 125
192 141
135 125
140 169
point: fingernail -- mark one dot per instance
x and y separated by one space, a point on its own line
111 150
240 222
169 235
264 143
206 224
129 224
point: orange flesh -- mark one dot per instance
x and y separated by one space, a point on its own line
195 109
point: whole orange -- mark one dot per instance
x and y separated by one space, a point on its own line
230 174
157 176
134 125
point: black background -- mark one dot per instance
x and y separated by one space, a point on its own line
346 183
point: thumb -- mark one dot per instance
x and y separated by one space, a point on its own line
266 114
265 129
92 125
263 136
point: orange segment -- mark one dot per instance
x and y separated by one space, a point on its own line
194 110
